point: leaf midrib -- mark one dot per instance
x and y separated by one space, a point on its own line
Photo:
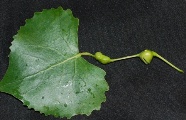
54 65
49 67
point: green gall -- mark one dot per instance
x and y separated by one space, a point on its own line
146 56
102 58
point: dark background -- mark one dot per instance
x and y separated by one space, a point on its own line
117 28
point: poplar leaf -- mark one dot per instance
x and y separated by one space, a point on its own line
46 71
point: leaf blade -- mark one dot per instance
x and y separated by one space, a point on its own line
47 73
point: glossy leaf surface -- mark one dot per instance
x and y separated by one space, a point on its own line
46 71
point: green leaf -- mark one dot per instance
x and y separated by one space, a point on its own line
46 71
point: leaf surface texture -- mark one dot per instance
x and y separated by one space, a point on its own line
46 71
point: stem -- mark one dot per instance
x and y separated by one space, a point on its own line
127 57
123 58
166 61
86 54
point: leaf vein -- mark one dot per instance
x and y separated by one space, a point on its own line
49 67
45 47
54 65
